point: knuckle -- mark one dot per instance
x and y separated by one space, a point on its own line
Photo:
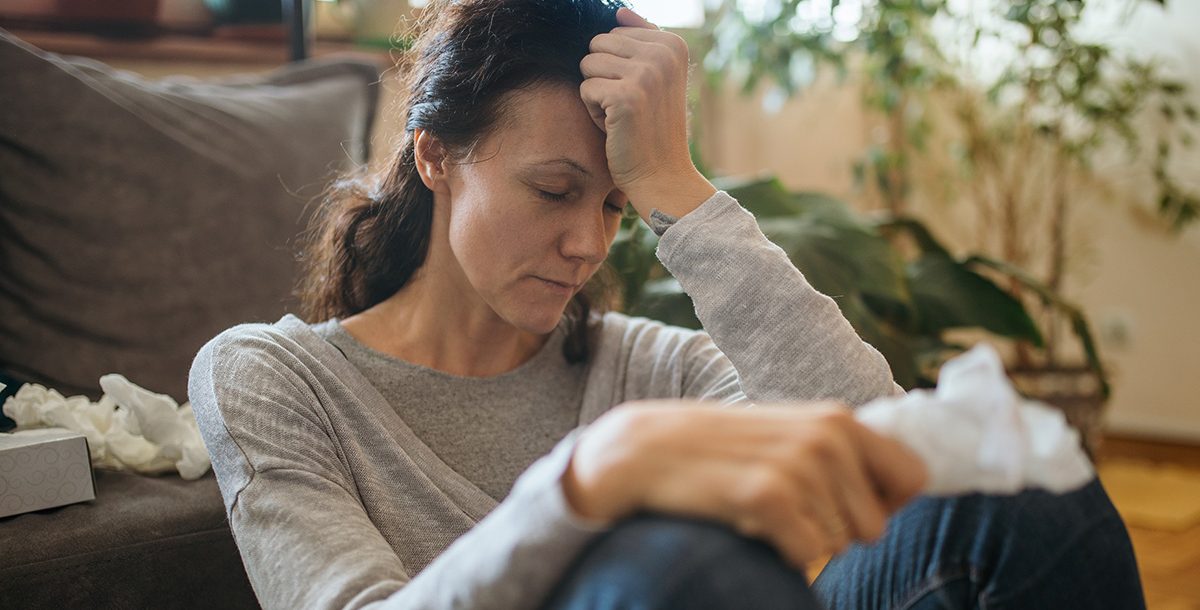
838 414
665 54
676 42
589 90
822 448
648 76
679 48
762 490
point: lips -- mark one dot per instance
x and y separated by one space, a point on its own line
564 285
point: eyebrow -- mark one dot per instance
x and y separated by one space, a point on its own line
570 163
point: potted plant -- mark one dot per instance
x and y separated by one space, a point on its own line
1018 144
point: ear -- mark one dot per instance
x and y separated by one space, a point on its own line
430 157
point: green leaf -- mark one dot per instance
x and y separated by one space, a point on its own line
949 295
916 229
1079 323
632 257
764 196
896 346
839 259
665 300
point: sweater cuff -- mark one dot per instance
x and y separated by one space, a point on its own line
543 482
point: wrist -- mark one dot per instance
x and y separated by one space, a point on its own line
577 496
675 194
597 484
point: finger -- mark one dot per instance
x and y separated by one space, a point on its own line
898 472
628 18
604 65
775 516
644 35
598 94
865 511
822 507
857 496
621 46
799 540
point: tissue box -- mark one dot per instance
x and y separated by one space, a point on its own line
44 468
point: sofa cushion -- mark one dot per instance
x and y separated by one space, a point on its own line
140 218
144 542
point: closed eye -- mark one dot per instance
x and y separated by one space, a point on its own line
552 196
613 208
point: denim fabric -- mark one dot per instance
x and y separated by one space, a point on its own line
1030 551
649 562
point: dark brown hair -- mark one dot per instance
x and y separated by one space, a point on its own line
373 232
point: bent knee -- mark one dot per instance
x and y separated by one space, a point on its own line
656 561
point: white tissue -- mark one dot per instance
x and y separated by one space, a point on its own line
130 428
976 434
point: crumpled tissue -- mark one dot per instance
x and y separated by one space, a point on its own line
976 434
130 428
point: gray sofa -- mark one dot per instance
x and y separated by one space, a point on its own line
137 220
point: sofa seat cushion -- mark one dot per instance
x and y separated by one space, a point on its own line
144 542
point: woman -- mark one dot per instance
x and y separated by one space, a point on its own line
362 459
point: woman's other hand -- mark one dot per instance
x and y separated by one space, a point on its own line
809 480
635 89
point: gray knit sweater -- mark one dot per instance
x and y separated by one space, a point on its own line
335 501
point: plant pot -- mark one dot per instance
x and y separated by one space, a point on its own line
1072 389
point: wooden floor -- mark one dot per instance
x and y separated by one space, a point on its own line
1169 561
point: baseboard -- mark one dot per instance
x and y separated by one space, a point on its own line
1152 427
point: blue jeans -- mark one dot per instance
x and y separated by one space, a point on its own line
1030 551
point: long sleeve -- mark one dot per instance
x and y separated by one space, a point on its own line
515 555
304 512
768 334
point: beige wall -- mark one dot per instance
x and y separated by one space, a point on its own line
1140 285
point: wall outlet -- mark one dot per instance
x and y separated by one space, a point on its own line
1117 330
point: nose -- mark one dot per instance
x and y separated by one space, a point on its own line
586 237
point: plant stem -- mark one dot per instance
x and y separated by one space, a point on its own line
897 181
1058 238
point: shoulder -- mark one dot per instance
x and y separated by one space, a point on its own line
258 354
250 342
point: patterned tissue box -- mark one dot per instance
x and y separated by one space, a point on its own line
44 468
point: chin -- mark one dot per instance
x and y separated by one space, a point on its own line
538 321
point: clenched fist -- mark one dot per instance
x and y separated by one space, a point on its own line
635 89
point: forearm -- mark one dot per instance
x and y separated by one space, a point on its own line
786 340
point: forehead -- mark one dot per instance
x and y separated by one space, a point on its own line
546 125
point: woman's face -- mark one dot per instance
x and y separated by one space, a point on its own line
532 210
